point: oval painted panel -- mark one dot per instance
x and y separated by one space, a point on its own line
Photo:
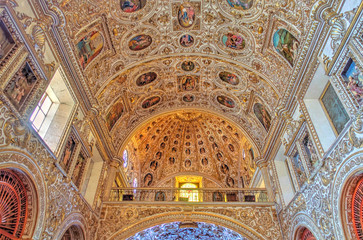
186 15
286 44
186 40
240 4
89 47
131 6
140 42
146 78
234 41
151 102
188 66
229 78
226 101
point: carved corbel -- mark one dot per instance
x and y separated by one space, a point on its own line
356 131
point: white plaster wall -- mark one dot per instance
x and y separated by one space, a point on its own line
287 188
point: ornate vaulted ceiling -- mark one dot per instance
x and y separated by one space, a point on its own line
190 143
142 58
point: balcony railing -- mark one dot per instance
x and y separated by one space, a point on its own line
194 195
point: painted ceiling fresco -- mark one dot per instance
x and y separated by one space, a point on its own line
173 231
190 143
138 59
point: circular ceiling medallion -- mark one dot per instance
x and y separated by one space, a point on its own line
186 15
240 4
229 78
186 40
140 42
148 103
233 41
146 78
131 6
226 101
188 66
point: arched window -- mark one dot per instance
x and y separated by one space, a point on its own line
13 205
357 210
125 158
73 233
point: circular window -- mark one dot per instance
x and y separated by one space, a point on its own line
126 158
357 210
13 205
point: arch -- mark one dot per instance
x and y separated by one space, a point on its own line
143 122
304 233
345 181
195 216
298 225
30 174
73 224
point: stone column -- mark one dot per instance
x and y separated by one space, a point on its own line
262 165
111 174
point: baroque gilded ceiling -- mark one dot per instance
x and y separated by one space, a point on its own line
190 143
140 58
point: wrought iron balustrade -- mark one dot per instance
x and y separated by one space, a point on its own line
205 195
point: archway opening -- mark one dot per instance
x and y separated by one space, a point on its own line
187 230
305 234
74 232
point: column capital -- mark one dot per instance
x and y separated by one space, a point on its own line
115 162
261 162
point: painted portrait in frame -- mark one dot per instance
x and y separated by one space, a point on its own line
20 87
353 80
186 15
66 158
6 41
334 109
262 115
114 114
79 169
286 45
240 4
140 42
89 47
148 103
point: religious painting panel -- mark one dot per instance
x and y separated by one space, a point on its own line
148 103
148 179
240 4
188 66
353 80
131 6
188 83
226 101
146 78
89 47
334 109
229 78
309 150
186 15
79 169
68 153
186 40
233 41
114 114
262 115
188 98
22 86
286 45
6 41
298 167
140 42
